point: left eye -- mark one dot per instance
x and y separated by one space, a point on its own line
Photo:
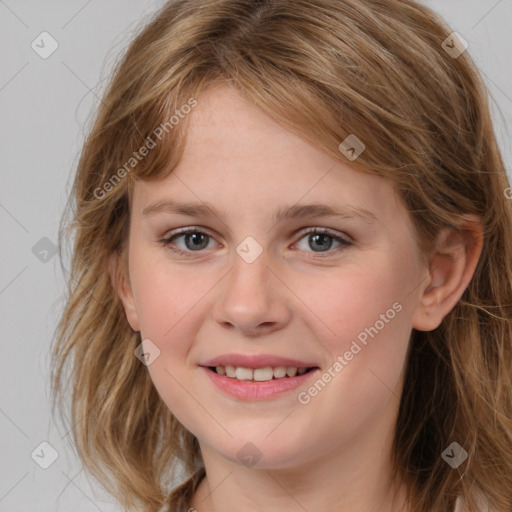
323 239
196 240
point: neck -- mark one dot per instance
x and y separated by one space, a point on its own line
283 491
354 478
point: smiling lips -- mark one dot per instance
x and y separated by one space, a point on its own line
256 377
259 368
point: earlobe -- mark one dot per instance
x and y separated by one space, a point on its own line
120 282
451 269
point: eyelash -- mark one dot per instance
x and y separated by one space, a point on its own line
167 241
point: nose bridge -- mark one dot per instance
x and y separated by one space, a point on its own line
249 276
251 298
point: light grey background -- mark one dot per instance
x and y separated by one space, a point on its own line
45 107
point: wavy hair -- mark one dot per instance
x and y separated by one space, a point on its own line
324 69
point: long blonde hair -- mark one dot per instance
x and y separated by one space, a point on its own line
324 69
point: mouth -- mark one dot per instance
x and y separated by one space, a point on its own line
264 374
255 384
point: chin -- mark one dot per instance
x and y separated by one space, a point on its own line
261 450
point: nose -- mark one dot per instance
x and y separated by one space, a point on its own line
253 298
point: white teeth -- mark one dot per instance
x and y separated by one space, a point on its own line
259 374
279 372
291 371
262 374
243 373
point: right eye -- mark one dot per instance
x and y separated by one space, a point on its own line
193 237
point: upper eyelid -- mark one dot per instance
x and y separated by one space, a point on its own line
301 233
199 229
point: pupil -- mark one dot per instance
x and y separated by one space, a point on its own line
322 238
196 237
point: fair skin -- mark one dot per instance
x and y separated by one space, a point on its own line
295 300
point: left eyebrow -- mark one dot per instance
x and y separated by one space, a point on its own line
286 212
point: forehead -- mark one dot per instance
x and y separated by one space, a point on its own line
238 158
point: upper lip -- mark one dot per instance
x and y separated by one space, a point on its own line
256 361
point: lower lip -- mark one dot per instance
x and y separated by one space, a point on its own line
250 390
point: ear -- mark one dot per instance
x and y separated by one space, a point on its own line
451 269
118 270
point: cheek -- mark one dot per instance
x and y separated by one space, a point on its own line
368 313
349 303
168 303
165 294
365 330
367 353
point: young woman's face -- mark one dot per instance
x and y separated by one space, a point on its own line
253 291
